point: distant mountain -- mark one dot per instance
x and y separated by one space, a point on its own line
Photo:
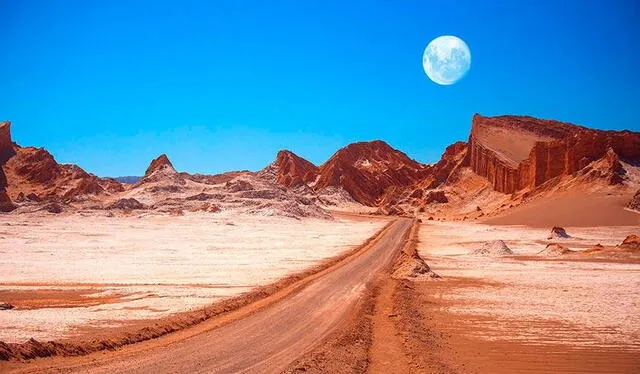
128 179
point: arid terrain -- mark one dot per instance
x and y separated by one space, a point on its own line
518 251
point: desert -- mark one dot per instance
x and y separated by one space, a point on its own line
316 187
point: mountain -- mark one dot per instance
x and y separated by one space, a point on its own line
369 170
30 171
290 170
128 179
160 163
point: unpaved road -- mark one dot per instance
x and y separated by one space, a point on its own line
268 340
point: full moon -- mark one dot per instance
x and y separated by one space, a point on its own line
446 59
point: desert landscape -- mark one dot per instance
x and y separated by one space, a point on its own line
311 187
495 243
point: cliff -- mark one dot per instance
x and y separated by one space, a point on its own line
516 152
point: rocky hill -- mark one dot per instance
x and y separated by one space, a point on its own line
369 170
291 170
30 173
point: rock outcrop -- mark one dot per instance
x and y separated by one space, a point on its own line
368 170
555 249
493 248
34 170
290 170
160 163
515 152
558 233
631 243
6 151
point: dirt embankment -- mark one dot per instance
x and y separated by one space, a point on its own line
146 330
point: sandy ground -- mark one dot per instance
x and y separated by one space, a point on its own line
64 273
572 208
529 312
265 339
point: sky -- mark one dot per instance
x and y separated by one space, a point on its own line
224 85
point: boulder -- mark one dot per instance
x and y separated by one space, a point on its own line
558 233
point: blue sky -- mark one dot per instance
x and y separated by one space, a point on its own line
223 85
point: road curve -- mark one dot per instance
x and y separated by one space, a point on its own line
272 338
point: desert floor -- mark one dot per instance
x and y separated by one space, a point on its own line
523 312
67 275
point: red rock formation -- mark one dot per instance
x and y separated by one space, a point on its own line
161 162
30 171
291 170
6 145
367 169
6 151
515 152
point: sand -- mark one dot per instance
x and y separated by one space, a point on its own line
572 209
533 300
64 273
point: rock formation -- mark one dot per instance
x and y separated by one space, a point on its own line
494 248
160 163
6 151
555 249
558 233
631 243
368 170
515 152
291 170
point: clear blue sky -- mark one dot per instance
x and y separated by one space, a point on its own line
223 85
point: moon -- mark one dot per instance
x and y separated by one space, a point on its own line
446 59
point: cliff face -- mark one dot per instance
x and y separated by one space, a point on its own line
515 152
6 151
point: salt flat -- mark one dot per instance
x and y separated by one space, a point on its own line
525 297
66 272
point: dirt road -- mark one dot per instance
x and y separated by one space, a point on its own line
268 340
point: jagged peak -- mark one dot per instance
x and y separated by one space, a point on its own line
161 162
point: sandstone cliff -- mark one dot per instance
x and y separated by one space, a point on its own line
515 152
6 151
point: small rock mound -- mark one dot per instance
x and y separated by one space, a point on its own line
126 204
558 233
554 249
54 208
631 242
494 248
6 306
